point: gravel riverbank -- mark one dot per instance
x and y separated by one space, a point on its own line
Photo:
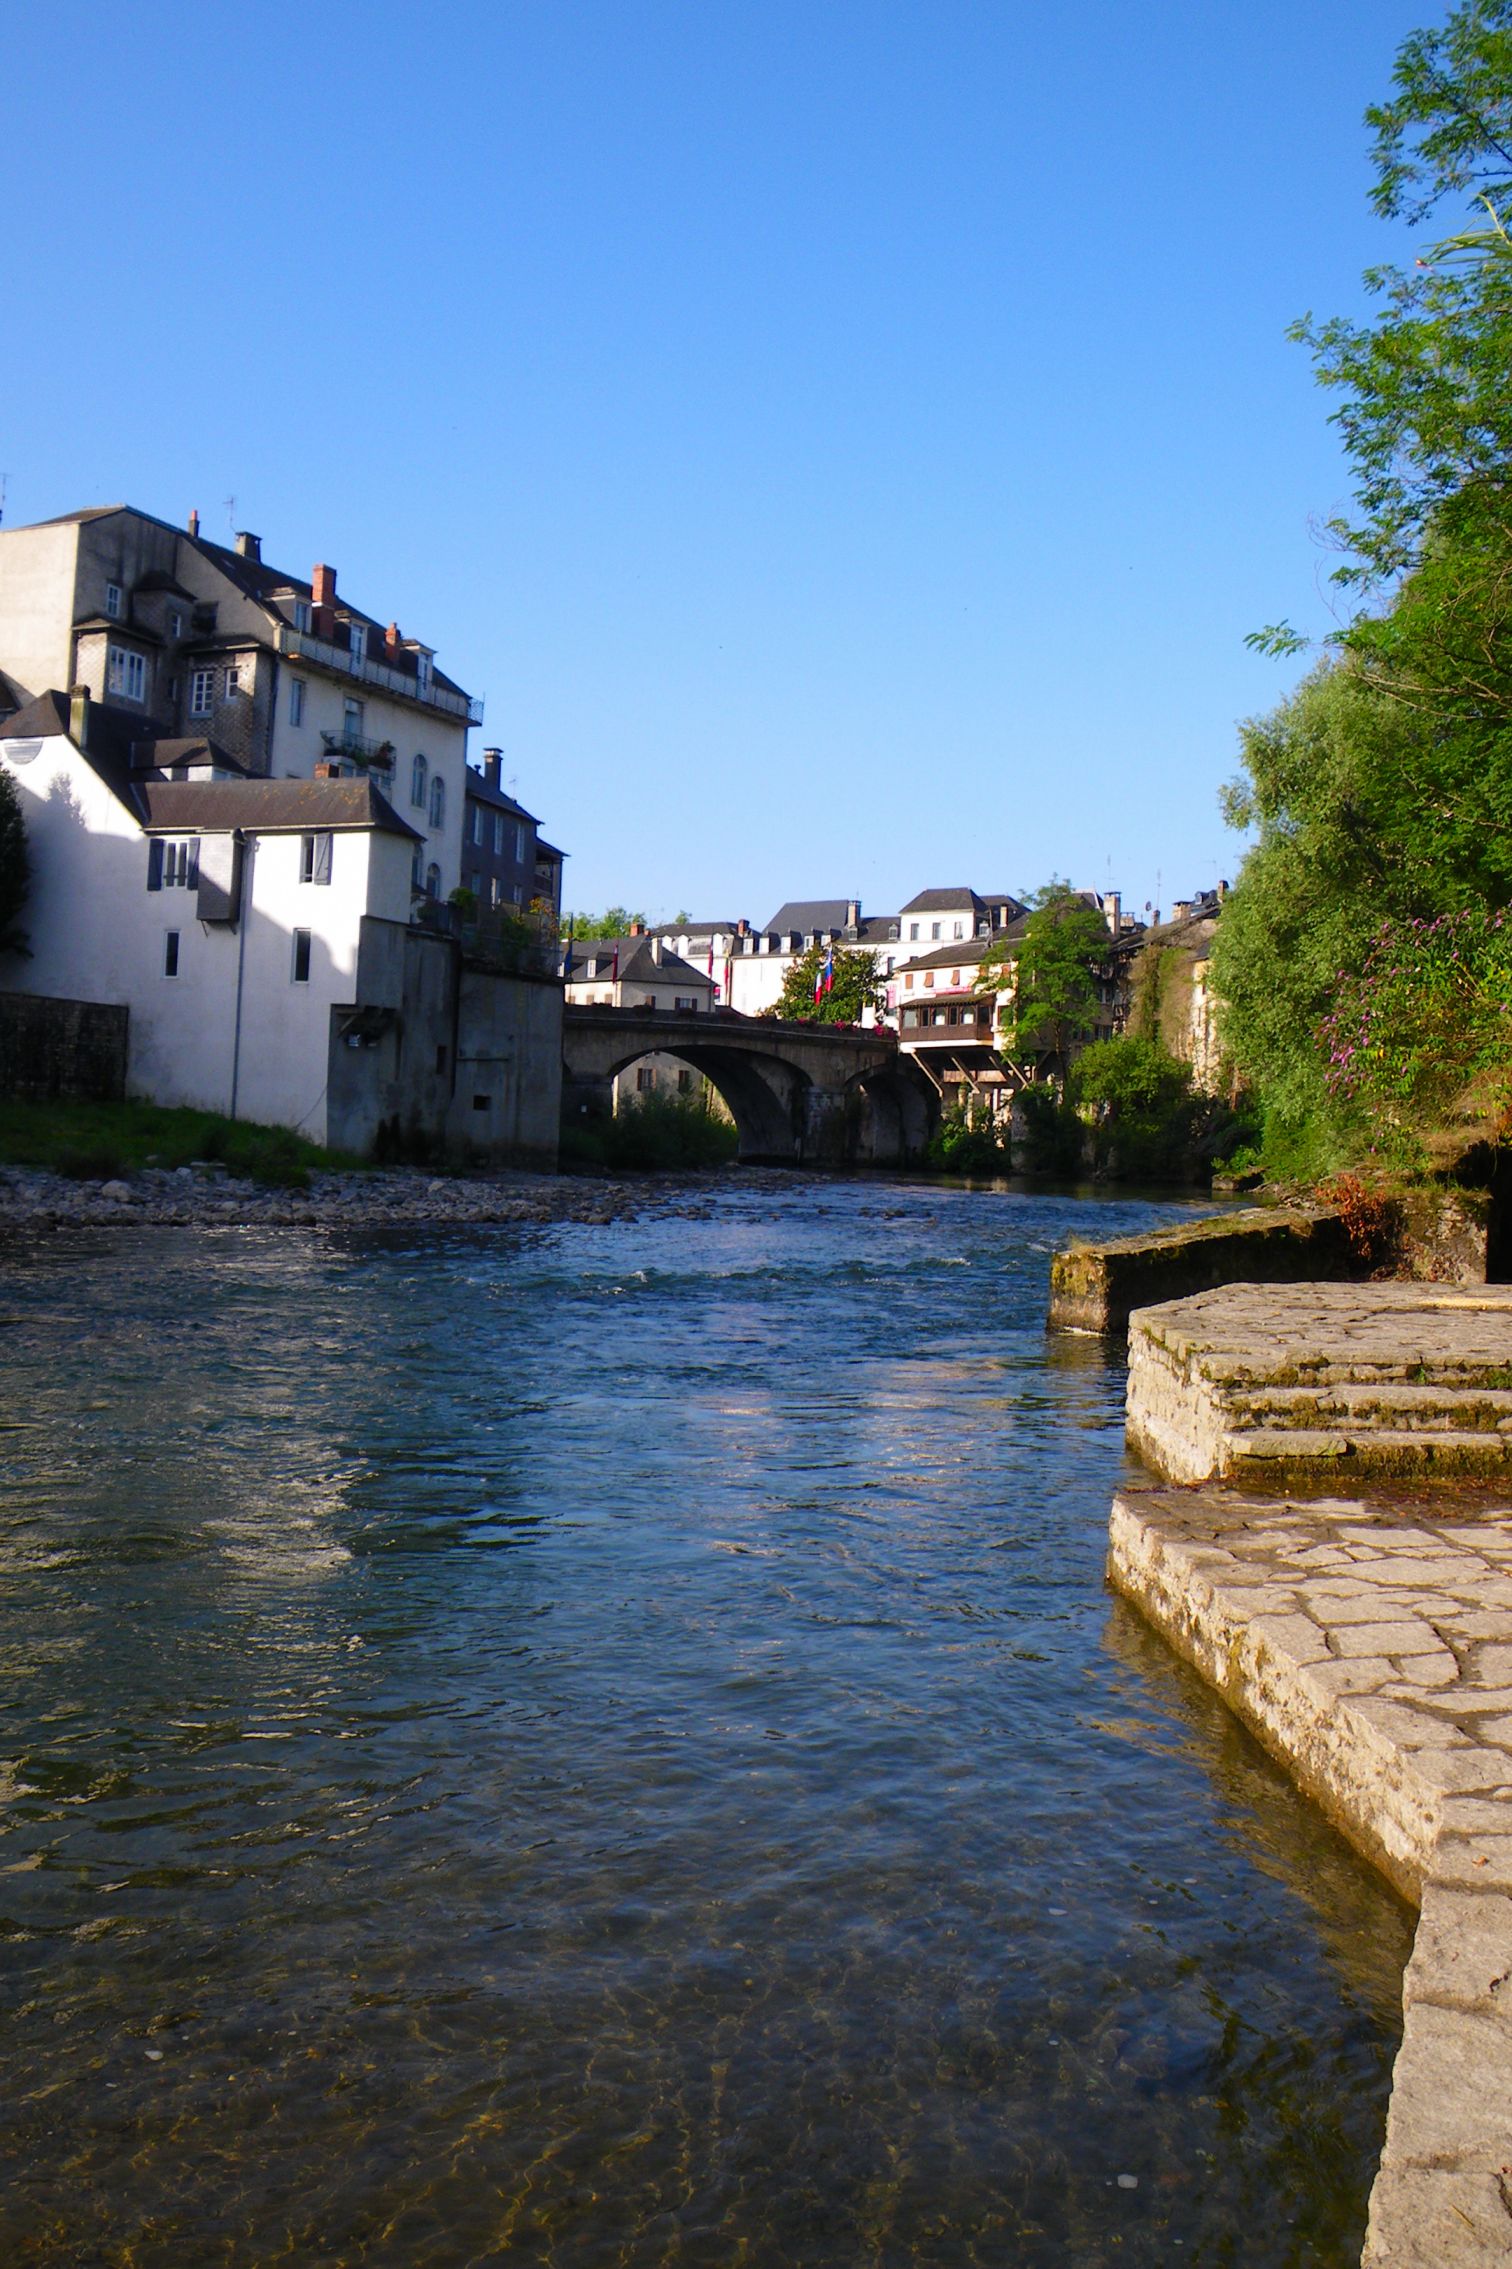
207 1195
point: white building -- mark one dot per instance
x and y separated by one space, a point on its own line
207 643
226 914
641 971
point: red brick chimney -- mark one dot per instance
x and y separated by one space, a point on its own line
391 639
328 771
323 602
194 523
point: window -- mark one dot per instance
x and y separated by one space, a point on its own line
315 858
438 803
175 623
913 932
958 930
233 681
433 880
495 891
934 930
684 1000
351 719
519 843
929 980
296 701
684 1082
419 771
300 974
416 880
498 833
113 601
474 824
173 865
422 671
645 1079
170 953
201 692
357 640
125 673
908 980
301 614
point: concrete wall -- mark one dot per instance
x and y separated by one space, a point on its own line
37 574
51 1050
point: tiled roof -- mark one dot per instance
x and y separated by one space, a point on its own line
938 901
269 806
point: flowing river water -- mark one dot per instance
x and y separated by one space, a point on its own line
610 1745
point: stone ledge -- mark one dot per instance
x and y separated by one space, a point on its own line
1271 1601
1095 1288
1277 1383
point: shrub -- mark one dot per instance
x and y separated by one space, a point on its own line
969 1141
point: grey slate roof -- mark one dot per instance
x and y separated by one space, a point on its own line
810 914
497 799
186 807
113 733
635 962
937 901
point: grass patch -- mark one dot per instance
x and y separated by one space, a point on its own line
97 1141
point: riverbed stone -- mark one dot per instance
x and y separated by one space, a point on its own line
1414 1775
1296 1383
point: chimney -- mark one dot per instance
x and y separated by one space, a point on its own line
1113 910
492 759
194 523
78 715
743 928
657 948
249 546
853 913
328 771
323 602
391 639
637 930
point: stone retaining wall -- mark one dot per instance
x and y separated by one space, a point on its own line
1369 1645
1096 1287
54 1050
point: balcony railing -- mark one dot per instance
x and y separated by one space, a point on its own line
303 647
373 756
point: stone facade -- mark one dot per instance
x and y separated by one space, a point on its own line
52 1050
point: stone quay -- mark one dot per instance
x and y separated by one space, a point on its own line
1365 1635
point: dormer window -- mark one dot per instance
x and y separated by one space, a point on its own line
423 671
175 623
113 601
357 639
301 614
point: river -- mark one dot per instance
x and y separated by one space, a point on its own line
609 1745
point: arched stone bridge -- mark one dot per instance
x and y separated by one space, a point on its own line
800 1094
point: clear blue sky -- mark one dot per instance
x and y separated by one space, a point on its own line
845 441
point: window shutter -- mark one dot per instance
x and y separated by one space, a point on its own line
155 863
322 859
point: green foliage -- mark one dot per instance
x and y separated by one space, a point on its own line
653 1134
970 1141
1139 1104
856 987
614 922
94 1141
1052 1133
1428 1015
15 867
1426 410
1056 963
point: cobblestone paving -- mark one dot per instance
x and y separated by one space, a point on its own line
1369 1644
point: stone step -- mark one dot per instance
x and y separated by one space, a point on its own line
1279 1380
1354 1405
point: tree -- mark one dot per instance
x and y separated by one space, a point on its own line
853 986
614 922
15 867
1052 969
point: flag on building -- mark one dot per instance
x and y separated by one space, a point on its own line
829 969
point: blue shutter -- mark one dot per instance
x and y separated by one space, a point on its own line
155 864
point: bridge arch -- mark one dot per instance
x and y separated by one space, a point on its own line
798 1093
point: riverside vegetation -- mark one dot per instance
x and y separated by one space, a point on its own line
1363 959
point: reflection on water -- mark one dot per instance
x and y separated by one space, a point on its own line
609 1745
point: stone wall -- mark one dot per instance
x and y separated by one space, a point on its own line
56 1051
1096 1287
